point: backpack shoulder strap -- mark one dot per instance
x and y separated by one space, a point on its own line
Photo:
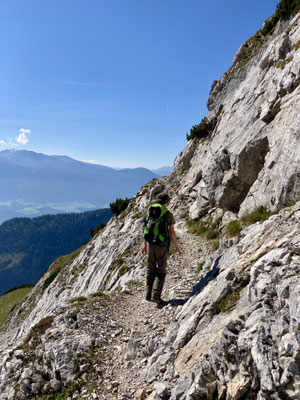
163 209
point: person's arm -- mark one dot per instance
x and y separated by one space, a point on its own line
173 238
145 248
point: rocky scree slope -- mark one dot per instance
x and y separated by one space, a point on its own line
231 330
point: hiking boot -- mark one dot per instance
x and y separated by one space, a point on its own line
148 296
160 302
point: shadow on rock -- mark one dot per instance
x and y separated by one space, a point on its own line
212 273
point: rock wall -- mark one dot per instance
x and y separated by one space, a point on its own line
244 164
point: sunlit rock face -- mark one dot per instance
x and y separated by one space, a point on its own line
253 156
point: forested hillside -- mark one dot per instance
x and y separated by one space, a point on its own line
29 245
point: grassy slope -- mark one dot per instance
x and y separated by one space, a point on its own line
8 301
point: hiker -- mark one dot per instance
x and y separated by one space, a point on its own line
157 244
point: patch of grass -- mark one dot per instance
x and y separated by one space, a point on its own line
296 45
73 316
137 215
100 294
39 329
122 271
25 285
117 263
233 228
201 230
287 354
51 277
64 394
9 301
260 214
134 283
212 234
78 299
282 63
59 264
215 244
199 268
206 228
228 303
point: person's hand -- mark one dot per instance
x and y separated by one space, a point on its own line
144 249
177 250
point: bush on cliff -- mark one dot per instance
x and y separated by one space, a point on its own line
203 129
119 205
284 10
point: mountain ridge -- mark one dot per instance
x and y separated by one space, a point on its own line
60 180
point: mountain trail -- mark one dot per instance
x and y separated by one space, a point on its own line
125 326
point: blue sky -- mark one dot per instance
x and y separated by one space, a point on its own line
117 82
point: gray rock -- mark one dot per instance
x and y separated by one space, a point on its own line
179 390
161 389
55 384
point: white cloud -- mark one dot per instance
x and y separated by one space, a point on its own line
2 143
22 137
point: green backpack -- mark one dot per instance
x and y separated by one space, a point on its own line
155 225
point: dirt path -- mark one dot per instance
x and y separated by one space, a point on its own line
127 329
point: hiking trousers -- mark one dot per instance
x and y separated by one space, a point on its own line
157 269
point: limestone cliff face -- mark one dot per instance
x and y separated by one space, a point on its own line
254 155
198 347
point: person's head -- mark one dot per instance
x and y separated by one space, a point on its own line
163 198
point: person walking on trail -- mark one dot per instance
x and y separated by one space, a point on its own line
158 231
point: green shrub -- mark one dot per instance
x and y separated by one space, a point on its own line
199 267
119 205
284 10
233 228
201 230
78 299
97 229
260 214
287 354
134 283
122 271
51 277
215 244
203 129
212 234
297 45
100 294
228 303
206 228
73 316
117 263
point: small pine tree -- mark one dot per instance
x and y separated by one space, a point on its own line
119 205
203 129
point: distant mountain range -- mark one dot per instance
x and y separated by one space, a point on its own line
33 184
163 171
